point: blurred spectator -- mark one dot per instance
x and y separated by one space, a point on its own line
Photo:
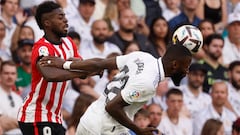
87 87
216 109
236 127
23 32
213 127
213 46
111 16
25 4
10 101
215 11
231 50
5 54
122 5
69 100
172 122
9 9
24 53
77 86
80 106
207 28
131 47
159 37
160 97
234 86
194 97
155 115
139 8
31 21
142 27
69 9
108 76
187 16
100 8
102 83
172 10
99 47
125 34
83 22
141 119
153 10
232 5
76 38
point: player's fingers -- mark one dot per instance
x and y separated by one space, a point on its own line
46 58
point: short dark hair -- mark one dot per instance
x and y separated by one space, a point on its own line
43 8
142 112
8 62
174 91
176 52
2 2
233 64
204 21
74 35
210 38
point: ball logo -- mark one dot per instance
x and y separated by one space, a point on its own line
135 95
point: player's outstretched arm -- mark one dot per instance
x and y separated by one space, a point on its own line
91 65
53 74
115 109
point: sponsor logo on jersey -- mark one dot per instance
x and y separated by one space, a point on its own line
135 95
43 51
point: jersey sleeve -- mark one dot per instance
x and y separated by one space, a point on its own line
123 59
41 51
139 91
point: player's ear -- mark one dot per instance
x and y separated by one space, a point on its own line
46 23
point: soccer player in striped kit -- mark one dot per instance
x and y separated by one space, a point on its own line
40 113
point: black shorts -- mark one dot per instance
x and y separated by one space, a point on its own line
41 128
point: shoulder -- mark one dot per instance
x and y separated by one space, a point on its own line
141 54
204 113
111 45
230 114
114 36
17 97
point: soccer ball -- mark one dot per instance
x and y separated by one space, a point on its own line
189 36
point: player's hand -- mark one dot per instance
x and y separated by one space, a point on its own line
51 61
148 131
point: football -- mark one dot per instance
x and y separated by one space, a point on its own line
189 36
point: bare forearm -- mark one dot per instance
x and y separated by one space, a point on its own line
52 74
115 109
95 64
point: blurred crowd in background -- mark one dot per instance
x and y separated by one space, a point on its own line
208 99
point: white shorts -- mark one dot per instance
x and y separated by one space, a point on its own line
82 131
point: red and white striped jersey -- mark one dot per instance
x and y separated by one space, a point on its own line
43 104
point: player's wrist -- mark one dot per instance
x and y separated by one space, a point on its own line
67 65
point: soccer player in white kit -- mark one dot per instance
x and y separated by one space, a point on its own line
136 83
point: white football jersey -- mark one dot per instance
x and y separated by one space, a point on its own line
137 81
